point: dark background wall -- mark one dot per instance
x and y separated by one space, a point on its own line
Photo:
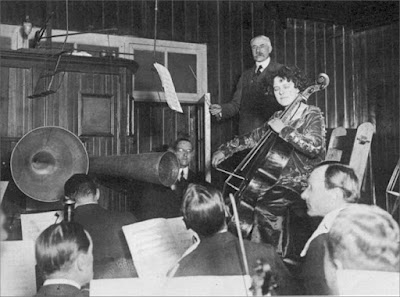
355 42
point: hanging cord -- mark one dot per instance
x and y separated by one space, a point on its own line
155 30
66 36
60 54
155 41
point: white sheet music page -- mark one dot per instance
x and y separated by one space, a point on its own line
157 244
3 187
169 88
35 223
232 285
17 268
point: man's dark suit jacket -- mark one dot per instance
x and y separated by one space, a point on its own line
61 290
313 273
252 99
158 201
105 228
220 255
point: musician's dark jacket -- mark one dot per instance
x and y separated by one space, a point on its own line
105 228
313 272
220 255
252 99
306 134
158 201
61 290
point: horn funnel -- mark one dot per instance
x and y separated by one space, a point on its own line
44 159
157 168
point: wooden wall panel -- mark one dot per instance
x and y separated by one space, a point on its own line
225 88
4 100
178 20
340 106
157 127
349 76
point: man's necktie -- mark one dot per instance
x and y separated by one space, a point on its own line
259 70
182 176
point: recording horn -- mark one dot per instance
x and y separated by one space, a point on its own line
46 157
157 168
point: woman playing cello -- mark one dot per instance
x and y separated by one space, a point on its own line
280 216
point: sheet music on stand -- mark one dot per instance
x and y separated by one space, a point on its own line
204 285
3 187
35 223
156 245
17 268
169 88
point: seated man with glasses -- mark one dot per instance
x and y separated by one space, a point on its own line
158 201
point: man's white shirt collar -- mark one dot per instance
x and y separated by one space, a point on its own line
58 281
322 228
264 64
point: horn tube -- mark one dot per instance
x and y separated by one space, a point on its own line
157 168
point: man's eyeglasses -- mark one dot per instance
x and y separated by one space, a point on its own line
184 151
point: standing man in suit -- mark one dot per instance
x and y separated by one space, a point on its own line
105 227
251 99
64 254
158 201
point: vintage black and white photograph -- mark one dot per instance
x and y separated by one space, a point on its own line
199 148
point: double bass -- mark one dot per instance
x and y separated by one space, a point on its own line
262 167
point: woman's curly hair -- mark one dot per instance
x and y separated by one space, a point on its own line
294 74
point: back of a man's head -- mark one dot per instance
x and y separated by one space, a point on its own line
80 187
364 237
330 187
59 247
342 176
204 209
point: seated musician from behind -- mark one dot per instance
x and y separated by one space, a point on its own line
64 254
218 252
112 258
304 133
363 253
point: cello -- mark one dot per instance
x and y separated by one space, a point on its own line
262 167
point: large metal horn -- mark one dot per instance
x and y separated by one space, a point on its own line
46 157
157 168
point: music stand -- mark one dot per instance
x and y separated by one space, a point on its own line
390 190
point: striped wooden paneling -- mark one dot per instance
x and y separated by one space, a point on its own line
157 127
363 65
